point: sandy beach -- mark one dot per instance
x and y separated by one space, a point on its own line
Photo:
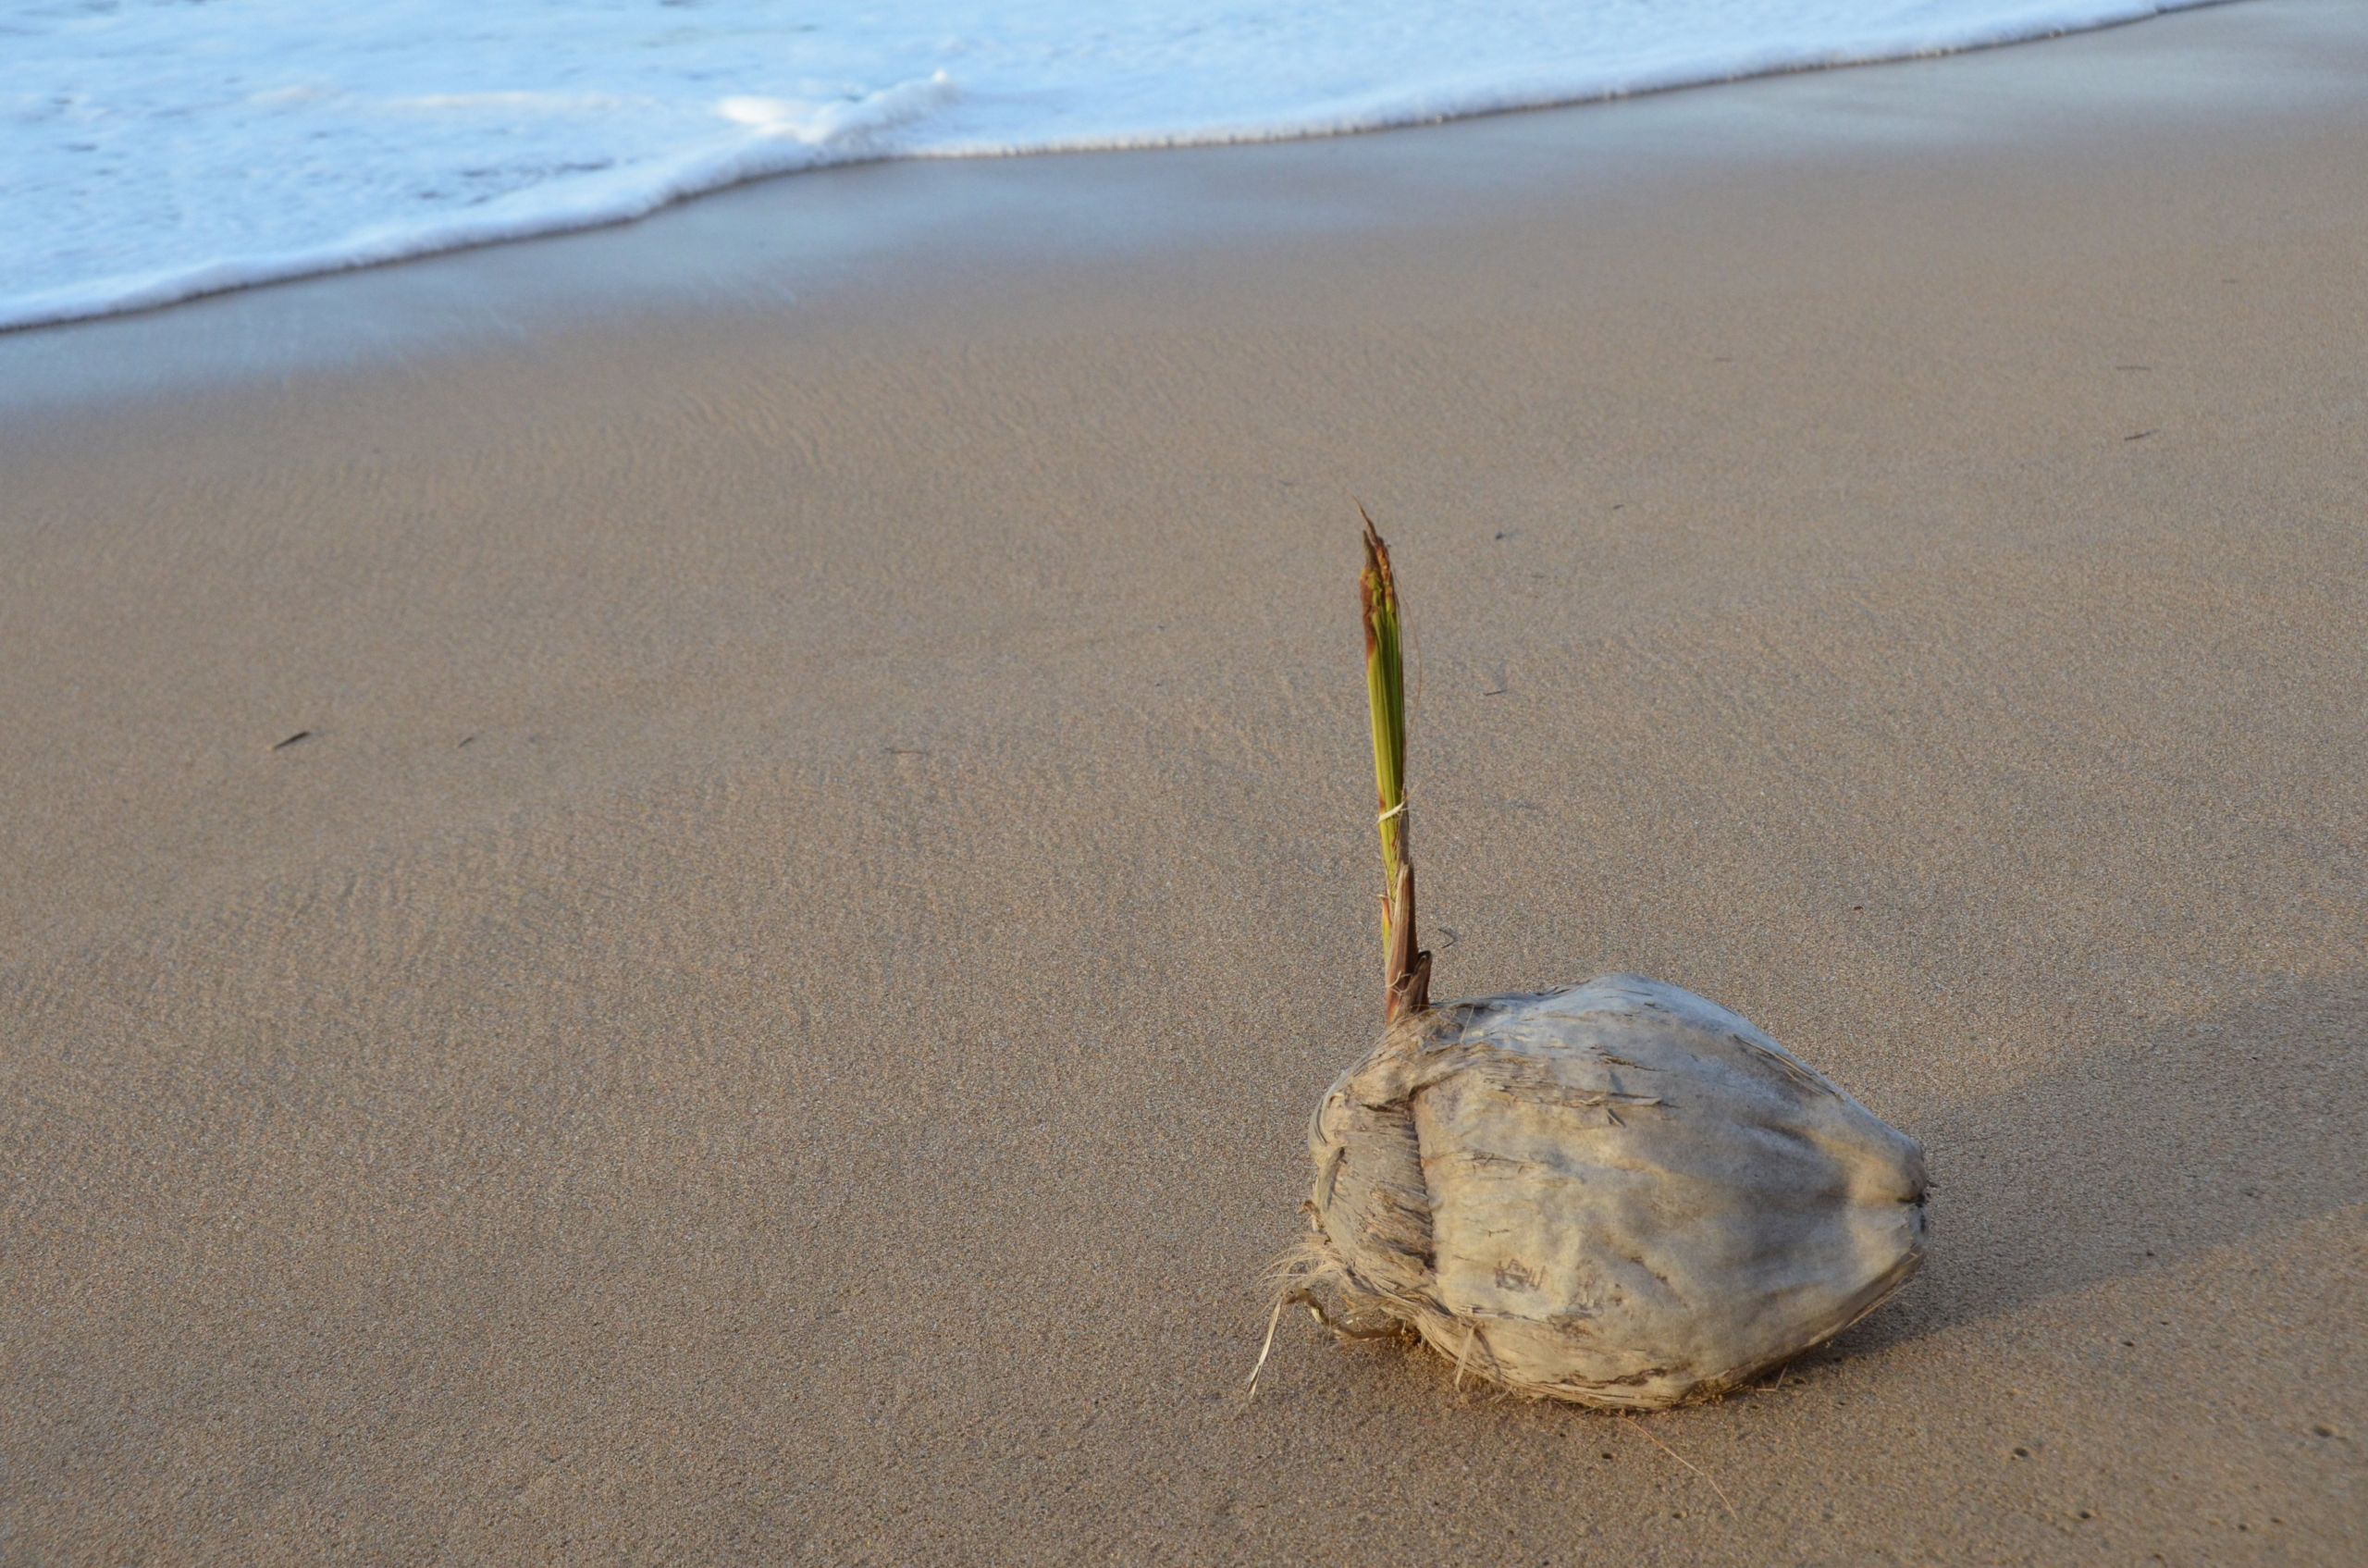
771 1013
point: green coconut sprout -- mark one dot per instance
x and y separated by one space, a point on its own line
1406 968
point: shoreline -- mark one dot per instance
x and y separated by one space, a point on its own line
771 1013
843 237
682 175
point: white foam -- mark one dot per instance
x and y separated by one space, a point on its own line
155 150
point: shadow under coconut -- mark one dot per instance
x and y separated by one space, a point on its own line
2134 1156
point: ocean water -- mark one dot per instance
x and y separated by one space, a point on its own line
155 150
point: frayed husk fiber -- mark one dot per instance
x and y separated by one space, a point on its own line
1618 1194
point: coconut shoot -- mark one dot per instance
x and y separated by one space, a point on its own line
1616 1194
1405 968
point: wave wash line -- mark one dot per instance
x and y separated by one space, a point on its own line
150 152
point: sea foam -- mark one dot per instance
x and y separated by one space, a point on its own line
155 150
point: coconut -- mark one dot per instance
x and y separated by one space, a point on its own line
1620 1194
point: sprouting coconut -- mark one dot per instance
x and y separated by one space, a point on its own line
1618 1194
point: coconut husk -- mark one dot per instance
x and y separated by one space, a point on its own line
1620 1194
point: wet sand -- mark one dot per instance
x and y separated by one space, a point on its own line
771 1013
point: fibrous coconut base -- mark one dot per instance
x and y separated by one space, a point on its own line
1620 1194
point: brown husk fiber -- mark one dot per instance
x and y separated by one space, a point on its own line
1618 1194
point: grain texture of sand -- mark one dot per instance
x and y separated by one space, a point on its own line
771 1014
